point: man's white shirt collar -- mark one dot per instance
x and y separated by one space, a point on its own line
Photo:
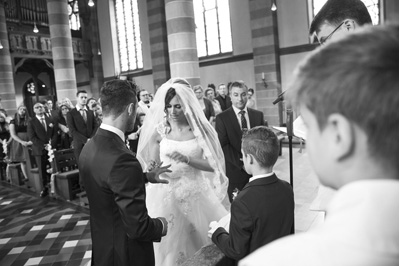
80 108
236 110
41 117
113 129
260 176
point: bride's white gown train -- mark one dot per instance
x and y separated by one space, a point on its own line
187 202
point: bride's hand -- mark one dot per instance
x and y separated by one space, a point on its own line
153 175
177 156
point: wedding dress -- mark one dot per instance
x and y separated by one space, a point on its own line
187 202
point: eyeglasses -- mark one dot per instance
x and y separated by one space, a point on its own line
324 39
37 107
144 95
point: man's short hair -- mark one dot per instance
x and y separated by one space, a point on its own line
80 91
336 11
356 77
239 84
116 95
262 143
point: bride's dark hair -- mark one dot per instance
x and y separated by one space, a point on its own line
169 96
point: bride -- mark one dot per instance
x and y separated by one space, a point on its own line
176 132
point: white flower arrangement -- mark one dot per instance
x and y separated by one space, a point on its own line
50 150
4 142
50 125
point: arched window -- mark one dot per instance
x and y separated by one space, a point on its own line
373 7
128 34
213 29
73 12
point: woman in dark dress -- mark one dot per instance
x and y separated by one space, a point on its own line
65 138
20 141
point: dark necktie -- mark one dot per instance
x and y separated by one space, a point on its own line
44 123
83 113
244 125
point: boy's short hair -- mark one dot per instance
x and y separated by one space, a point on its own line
262 143
335 11
80 91
356 77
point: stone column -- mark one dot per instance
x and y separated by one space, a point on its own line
61 45
266 59
181 40
7 86
158 41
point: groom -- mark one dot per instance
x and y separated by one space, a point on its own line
121 230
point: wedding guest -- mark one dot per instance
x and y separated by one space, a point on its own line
91 103
134 137
251 102
205 104
49 111
230 125
65 137
350 109
264 209
210 95
144 103
223 97
42 130
122 232
4 134
20 141
177 132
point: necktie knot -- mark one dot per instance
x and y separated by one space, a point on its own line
242 112
83 113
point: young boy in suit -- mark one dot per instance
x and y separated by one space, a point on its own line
264 209
349 104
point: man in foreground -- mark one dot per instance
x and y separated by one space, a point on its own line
349 104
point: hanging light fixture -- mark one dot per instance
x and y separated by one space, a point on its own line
35 29
274 6
90 3
99 52
1 45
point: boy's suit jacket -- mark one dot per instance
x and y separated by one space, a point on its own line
262 212
230 134
80 130
121 230
39 136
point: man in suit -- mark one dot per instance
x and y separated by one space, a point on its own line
230 125
121 230
41 131
81 123
223 97
264 209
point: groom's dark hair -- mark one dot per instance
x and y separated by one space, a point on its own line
116 95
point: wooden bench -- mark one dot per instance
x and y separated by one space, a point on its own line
33 172
66 174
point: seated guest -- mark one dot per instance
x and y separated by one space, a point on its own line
264 209
205 104
349 104
65 137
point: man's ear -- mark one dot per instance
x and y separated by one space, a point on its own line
342 136
350 25
131 108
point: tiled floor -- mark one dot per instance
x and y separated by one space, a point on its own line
35 231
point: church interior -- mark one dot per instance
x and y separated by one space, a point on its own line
50 49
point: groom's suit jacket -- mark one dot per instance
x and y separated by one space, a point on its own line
262 212
230 134
121 230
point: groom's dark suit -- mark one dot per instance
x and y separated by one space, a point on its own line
230 134
121 230
261 213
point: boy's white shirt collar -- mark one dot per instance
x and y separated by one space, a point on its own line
260 176
115 130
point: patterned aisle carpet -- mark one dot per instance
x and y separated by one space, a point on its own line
35 231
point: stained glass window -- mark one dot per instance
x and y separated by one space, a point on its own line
373 7
73 12
128 32
213 30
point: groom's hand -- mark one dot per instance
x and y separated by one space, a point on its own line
153 175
